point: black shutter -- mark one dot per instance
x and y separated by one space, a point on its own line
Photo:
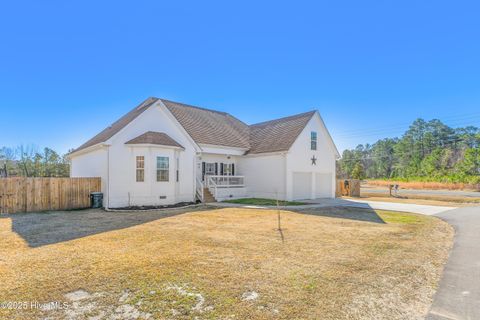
203 170
216 168
233 169
221 169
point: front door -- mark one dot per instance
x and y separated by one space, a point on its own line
209 169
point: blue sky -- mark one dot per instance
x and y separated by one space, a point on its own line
70 68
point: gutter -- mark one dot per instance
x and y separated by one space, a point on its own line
88 149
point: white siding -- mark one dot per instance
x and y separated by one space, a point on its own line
264 175
300 155
91 164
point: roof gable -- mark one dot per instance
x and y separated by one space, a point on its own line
152 137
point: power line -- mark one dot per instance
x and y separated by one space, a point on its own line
375 132
405 124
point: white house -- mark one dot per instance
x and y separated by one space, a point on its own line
164 152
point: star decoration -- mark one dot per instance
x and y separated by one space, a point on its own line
314 161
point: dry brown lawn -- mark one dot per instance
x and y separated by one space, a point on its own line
333 263
434 200
426 185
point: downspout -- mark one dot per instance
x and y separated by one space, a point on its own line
108 178
285 190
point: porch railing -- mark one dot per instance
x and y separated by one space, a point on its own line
214 183
199 190
226 181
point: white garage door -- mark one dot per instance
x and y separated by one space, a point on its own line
302 185
323 185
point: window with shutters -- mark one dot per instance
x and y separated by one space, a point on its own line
140 166
210 169
313 140
162 169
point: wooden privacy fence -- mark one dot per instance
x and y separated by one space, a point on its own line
41 194
348 187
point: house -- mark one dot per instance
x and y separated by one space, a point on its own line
164 152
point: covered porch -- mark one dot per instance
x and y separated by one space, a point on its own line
218 178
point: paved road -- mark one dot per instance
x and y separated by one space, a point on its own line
458 296
449 193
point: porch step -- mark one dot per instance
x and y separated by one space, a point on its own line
207 196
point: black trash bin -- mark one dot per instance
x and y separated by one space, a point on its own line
96 199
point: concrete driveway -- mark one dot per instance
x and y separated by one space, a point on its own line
458 296
393 206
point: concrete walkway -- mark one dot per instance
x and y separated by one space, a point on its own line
458 296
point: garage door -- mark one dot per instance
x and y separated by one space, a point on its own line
323 185
302 185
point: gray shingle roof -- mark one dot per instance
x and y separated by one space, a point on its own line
212 127
277 135
152 137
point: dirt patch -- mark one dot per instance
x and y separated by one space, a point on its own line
249 296
148 208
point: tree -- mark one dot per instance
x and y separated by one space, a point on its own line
428 150
358 172
27 161
470 164
7 161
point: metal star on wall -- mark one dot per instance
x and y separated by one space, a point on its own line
314 161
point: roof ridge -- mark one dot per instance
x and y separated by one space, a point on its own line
195 107
298 115
146 102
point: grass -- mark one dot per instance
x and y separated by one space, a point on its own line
333 263
264 202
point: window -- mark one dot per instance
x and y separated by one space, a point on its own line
313 140
162 168
228 169
140 166
210 169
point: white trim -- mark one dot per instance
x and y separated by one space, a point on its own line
97 146
266 154
205 145
152 145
